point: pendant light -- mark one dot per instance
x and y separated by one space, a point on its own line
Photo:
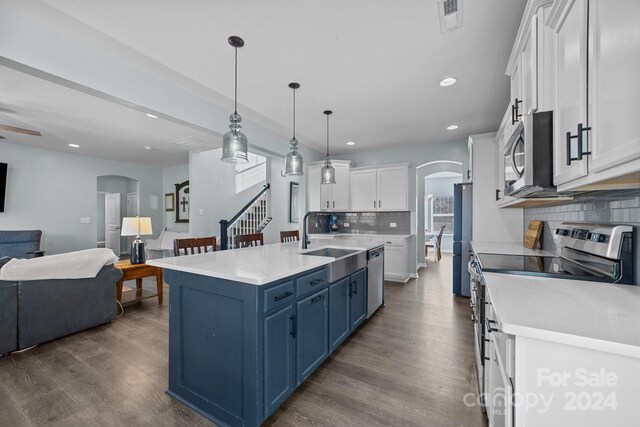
293 160
328 172
234 142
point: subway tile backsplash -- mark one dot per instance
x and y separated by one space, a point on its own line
612 207
365 222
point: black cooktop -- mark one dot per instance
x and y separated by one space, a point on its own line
547 266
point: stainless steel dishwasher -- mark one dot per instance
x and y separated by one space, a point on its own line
375 287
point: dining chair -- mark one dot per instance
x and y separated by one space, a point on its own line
289 236
435 245
194 245
246 240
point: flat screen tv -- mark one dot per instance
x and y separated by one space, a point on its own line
3 184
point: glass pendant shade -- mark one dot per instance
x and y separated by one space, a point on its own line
328 173
293 161
293 164
234 142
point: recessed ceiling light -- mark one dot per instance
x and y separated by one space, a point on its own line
448 81
148 148
452 127
351 143
153 116
74 146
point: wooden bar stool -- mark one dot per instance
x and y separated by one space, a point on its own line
289 236
246 240
192 246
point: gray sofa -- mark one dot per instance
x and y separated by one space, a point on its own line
19 243
37 311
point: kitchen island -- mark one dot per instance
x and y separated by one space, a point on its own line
248 326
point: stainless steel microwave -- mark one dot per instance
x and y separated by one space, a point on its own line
528 157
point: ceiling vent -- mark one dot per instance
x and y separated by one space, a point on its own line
450 13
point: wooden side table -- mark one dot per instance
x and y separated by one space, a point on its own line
138 272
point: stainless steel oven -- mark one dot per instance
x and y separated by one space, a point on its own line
528 157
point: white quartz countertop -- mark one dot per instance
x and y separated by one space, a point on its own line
506 248
594 315
254 265
358 235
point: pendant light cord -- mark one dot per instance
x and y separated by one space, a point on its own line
235 99
327 136
294 114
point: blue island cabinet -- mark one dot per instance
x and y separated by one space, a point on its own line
237 351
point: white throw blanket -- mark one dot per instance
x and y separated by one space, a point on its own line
70 265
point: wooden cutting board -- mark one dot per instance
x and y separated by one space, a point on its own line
532 236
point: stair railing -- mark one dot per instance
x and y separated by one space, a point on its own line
250 219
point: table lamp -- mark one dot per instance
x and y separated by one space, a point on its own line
137 226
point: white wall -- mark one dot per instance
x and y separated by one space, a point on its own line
50 191
441 186
213 191
170 177
416 155
491 223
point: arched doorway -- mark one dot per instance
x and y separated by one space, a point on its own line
117 197
427 169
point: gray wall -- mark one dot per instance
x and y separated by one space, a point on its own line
50 191
170 177
619 207
363 222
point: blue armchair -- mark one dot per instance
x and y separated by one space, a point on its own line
18 243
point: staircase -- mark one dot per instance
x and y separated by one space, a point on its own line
253 218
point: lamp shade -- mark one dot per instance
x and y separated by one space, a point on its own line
136 226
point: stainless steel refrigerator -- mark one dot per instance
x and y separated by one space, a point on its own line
462 220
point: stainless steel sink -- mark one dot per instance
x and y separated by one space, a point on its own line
347 261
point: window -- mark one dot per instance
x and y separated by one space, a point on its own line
441 213
252 173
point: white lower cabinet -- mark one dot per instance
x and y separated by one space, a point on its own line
393 262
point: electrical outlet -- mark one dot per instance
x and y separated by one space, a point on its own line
201 212
85 220
392 224
346 224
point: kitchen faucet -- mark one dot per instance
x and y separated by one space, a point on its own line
305 236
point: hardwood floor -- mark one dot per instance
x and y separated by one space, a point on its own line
411 364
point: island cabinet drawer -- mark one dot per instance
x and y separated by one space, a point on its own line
278 296
311 282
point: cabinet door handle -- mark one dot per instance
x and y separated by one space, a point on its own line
283 296
350 293
316 299
327 204
355 289
497 194
515 115
293 326
379 203
315 282
374 204
334 203
468 174
579 137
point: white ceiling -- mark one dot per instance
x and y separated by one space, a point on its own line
102 128
375 63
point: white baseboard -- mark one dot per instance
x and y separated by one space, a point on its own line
422 265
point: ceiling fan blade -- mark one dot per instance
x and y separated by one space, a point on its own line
20 130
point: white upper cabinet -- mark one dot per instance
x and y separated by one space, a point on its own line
570 110
364 196
614 82
529 69
383 189
597 44
393 188
328 197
